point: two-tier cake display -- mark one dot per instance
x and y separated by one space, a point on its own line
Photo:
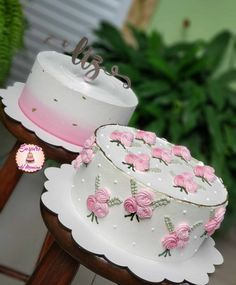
146 195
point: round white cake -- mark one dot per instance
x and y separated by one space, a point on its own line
146 195
59 100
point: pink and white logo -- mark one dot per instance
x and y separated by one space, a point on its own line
30 158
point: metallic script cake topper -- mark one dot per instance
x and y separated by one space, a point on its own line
95 63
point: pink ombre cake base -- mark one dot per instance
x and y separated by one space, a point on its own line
51 121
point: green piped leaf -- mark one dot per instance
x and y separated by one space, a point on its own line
160 203
169 224
196 225
133 186
114 201
97 182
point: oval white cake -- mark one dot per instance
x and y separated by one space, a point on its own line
146 195
58 99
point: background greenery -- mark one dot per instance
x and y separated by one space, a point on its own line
182 95
11 34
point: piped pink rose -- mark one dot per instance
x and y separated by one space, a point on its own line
214 223
183 232
140 162
182 152
147 137
185 182
77 162
102 195
207 173
90 143
139 205
100 209
87 155
122 138
163 154
144 197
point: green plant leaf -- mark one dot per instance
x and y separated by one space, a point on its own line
215 50
216 92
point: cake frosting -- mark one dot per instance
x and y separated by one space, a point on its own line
58 99
146 195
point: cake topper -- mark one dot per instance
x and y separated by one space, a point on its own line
96 62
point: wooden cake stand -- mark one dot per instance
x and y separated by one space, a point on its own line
10 174
62 260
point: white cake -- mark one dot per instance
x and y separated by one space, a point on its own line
58 99
145 195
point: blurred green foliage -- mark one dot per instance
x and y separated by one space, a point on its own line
11 34
181 95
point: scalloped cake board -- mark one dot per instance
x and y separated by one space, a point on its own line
10 100
58 199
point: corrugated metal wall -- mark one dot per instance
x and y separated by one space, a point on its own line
59 24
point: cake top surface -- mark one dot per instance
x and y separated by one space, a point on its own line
164 167
104 88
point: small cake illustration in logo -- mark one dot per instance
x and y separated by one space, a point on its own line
30 158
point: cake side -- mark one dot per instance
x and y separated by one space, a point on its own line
57 99
136 217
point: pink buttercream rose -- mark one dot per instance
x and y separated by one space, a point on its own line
162 154
102 195
219 215
142 162
181 243
144 212
170 241
90 143
144 197
87 155
183 232
206 172
91 201
130 158
185 181
130 205
211 226
126 138
100 209
147 137
77 162
181 151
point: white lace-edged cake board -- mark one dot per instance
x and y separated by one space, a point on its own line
10 98
58 199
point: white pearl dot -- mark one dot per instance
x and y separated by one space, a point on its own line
128 172
83 180
215 192
99 165
185 198
149 184
157 165
79 199
184 212
107 146
133 243
208 199
102 135
114 227
115 181
72 185
153 229
195 237
139 152
195 250
159 179
108 155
